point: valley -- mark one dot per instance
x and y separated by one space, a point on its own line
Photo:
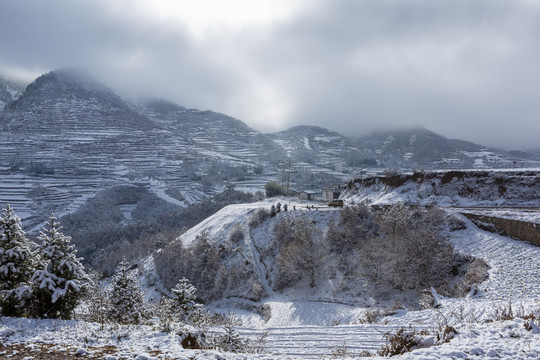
426 241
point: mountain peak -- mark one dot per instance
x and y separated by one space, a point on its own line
68 80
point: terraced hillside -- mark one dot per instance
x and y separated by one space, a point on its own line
68 137
9 91
320 147
421 148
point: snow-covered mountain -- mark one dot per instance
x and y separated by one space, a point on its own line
68 137
420 148
320 147
230 139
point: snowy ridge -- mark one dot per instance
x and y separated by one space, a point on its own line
464 188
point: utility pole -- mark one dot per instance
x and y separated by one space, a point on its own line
288 177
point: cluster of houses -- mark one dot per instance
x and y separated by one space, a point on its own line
329 193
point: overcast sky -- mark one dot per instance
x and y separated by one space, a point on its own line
467 69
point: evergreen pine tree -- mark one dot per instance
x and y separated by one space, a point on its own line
230 340
125 296
17 264
184 298
60 279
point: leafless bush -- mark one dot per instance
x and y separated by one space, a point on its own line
237 234
258 217
402 341
370 316
477 272
266 312
257 345
503 312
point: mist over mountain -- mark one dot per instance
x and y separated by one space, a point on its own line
9 91
67 137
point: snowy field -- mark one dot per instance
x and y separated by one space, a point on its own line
299 329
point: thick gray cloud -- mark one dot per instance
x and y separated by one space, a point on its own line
466 69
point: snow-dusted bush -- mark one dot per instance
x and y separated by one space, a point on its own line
229 341
17 265
192 338
272 211
273 189
59 281
184 299
258 218
402 341
125 296
237 234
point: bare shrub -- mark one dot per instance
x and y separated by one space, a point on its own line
446 334
402 341
370 316
258 217
503 312
266 312
477 272
237 234
257 345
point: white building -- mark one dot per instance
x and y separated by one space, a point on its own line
331 193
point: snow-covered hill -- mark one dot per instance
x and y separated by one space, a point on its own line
300 320
464 188
302 329
321 147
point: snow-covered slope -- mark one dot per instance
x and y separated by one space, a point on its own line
9 92
420 148
449 188
312 329
319 147
68 136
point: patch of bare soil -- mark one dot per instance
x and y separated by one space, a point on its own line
54 352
